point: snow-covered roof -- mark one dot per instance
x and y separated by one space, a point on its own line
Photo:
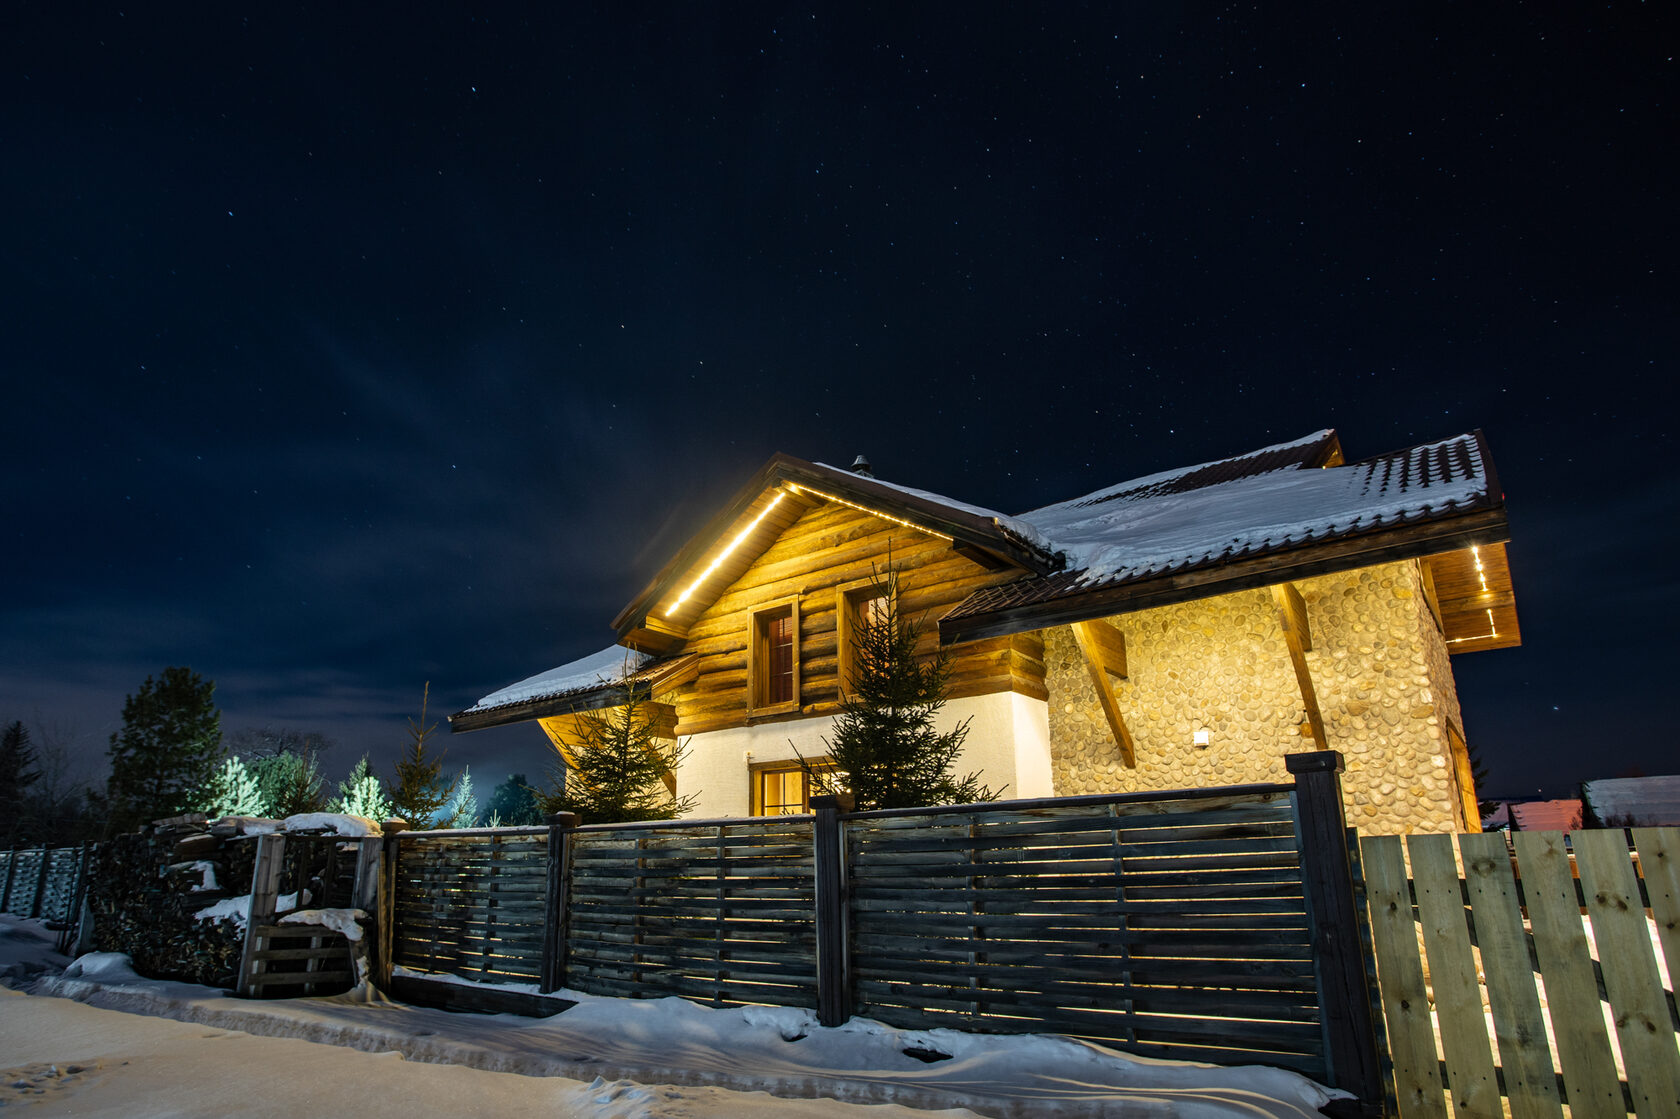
1546 815
1147 528
612 665
1016 526
1268 501
1633 802
1277 499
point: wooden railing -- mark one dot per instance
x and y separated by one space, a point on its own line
1508 1008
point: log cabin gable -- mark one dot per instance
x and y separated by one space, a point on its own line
661 618
828 563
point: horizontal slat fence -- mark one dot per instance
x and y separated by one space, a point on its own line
1535 1040
1175 927
721 912
471 903
1214 925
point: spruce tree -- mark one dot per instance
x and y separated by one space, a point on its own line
290 783
885 750
19 769
233 791
462 809
167 749
420 789
620 767
361 795
513 803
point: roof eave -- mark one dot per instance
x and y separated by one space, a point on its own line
610 695
1484 526
654 677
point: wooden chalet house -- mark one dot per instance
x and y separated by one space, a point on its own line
1183 629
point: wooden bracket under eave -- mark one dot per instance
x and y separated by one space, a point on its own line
1292 615
1104 648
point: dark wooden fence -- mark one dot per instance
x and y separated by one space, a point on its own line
1177 927
1211 924
722 911
470 903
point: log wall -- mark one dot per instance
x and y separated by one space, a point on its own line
825 549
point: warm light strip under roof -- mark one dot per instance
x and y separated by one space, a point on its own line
1481 573
866 509
723 555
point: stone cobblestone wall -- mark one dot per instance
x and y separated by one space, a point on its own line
1379 665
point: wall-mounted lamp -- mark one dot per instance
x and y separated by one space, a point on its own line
1200 738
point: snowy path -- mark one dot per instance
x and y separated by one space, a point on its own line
648 1059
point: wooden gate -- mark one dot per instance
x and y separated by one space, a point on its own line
1538 985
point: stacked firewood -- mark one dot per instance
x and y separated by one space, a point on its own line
145 889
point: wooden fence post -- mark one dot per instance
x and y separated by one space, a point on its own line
385 957
1350 1034
11 871
553 976
834 980
265 888
41 882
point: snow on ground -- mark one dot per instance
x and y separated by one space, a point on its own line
602 1059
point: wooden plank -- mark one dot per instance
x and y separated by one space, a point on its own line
1297 636
1591 1084
1519 1026
1629 964
1659 863
1091 647
265 887
1452 971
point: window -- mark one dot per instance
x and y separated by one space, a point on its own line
783 788
773 659
859 605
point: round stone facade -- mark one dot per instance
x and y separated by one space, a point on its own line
1220 665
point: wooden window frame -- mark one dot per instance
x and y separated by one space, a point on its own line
756 684
846 597
757 770
1468 809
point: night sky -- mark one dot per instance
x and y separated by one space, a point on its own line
347 351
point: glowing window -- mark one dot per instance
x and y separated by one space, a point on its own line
783 788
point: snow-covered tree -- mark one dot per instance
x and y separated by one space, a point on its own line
233 791
361 795
290 783
462 809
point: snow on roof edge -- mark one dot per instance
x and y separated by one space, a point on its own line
611 665
1013 525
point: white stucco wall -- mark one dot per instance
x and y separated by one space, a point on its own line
1008 742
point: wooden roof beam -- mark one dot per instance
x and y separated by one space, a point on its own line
1104 648
1292 615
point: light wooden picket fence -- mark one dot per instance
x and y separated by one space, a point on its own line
1532 1048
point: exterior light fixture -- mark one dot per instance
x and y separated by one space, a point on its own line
1201 739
